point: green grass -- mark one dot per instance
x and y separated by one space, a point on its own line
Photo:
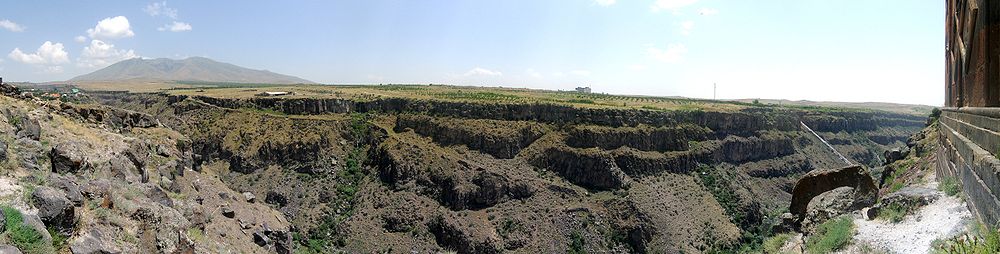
832 235
950 186
576 243
982 242
23 236
893 213
773 244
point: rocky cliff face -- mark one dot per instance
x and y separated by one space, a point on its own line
426 175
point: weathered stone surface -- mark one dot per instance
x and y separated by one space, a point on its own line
249 197
94 242
588 168
909 198
27 127
462 236
67 157
7 249
228 212
819 181
68 185
3 151
53 206
828 205
895 154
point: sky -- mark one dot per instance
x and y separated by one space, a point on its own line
821 50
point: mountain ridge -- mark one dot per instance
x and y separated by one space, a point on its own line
199 69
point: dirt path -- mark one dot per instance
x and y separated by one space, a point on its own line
945 217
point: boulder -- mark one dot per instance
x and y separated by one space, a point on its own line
909 198
54 208
94 242
819 181
68 185
67 157
249 197
895 154
828 205
3 151
7 249
276 198
228 212
27 127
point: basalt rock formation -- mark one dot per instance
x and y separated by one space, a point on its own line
404 174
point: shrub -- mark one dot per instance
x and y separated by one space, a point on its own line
22 236
982 243
893 213
950 186
773 244
831 235
576 243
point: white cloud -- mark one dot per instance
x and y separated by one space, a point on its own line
673 54
111 28
48 53
708 11
671 5
11 26
80 38
53 69
157 9
582 73
605 2
101 54
482 72
686 27
176 27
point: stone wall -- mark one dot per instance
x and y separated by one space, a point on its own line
969 146
972 29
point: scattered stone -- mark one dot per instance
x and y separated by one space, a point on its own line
909 198
275 198
96 188
869 213
66 157
819 181
69 186
94 242
53 206
260 239
249 197
228 212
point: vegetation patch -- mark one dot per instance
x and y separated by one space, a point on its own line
893 213
950 186
832 235
21 235
773 244
982 241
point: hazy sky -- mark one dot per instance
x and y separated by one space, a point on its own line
886 50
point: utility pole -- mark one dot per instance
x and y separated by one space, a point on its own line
714 89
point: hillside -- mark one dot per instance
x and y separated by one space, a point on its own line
197 69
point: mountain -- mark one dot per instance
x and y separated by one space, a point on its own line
190 69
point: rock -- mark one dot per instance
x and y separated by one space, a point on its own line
909 198
819 181
828 205
895 154
7 249
249 197
275 198
96 188
53 206
787 223
27 127
68 185
94 242
463 236
66 157
260 238
228 212
3 151
869 213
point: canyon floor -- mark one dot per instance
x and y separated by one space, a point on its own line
415 168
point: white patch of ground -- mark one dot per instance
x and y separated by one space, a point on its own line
945 217
11 193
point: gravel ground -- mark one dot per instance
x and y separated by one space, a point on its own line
946 217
